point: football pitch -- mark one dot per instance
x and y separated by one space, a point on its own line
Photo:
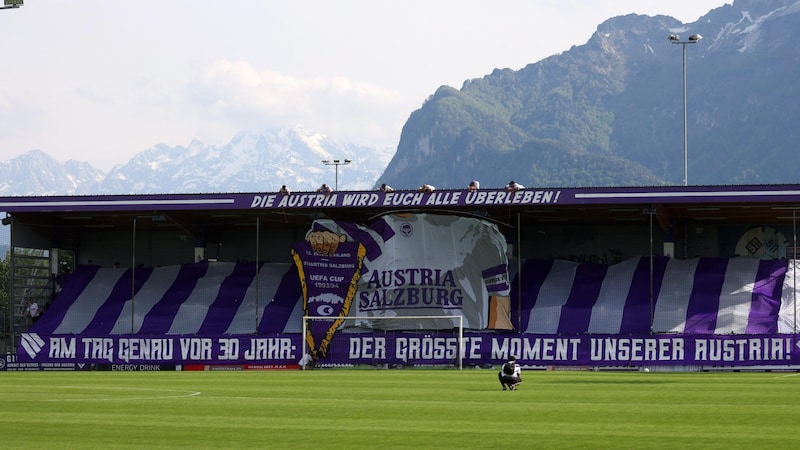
398 409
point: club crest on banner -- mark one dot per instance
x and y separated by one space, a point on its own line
763 243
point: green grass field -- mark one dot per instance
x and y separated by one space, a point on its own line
398 409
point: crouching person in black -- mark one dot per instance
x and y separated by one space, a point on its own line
509 374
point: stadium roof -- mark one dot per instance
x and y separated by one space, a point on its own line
718 204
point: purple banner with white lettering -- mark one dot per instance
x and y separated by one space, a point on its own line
408 198
408 348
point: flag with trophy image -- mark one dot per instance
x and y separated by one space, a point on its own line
329 271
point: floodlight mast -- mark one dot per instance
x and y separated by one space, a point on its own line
337 163
675 39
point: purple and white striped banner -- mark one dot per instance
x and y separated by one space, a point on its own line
704 311
697 296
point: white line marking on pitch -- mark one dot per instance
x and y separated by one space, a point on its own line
180 394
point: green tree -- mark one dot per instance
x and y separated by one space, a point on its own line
5 295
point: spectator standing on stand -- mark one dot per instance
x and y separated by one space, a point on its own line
33 310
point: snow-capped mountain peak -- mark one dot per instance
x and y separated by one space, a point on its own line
251 162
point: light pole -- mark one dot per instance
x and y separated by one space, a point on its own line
675 39
337 163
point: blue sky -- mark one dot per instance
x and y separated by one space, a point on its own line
100 81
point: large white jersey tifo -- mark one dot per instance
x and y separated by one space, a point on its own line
427 265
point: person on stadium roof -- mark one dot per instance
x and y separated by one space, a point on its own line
513 186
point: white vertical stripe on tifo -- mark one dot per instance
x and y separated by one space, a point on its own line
193 310
736 296
553 295
669 314
152 292
83 310
788 314
607 311
269 278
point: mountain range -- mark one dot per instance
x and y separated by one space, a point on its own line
605 113
610 112
253 161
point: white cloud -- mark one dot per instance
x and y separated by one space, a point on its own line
242 95
100 81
